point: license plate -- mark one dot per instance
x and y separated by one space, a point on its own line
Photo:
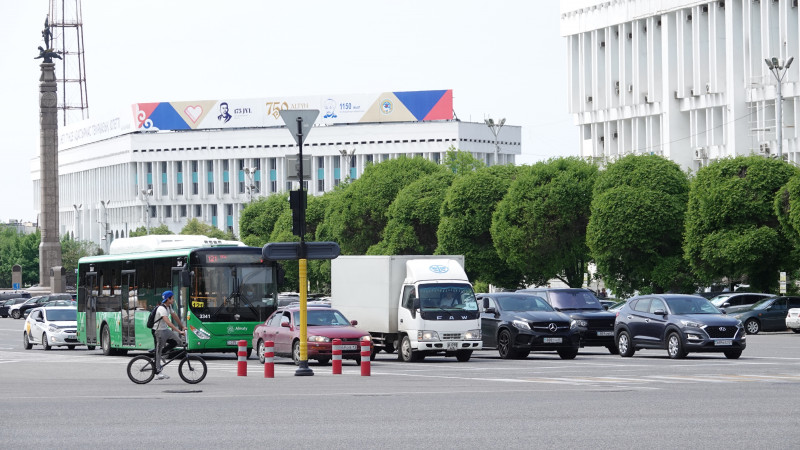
605 333
724 342
234 343
350 347
552 340
452 345
71 336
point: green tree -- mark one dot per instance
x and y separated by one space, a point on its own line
195 227
356 218
636 226
466 219
23 249
460 162
414 217
539 228
72 251
159 230
258 218
732 230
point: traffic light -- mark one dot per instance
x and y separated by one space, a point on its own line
297 201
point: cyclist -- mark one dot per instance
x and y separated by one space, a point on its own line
168 334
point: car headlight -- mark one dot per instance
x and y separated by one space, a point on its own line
692 323
578 323
472 335
365 338
319 339
53 329
521 324
201 333
426 335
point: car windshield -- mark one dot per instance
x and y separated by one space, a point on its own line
522 303
447 297
691 305
720 299
764 304
56 315
566 300
323 318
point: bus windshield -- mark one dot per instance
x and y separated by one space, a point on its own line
228 293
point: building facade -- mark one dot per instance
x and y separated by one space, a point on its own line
118 175
682 79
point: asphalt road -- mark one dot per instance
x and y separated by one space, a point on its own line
78 399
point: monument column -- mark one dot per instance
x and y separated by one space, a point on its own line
50 246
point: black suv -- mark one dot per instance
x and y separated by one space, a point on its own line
595 324
516 324
678 323
36 302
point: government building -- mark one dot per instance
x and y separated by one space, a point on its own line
170 162
683 79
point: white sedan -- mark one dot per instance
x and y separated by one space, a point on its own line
793 320
51 326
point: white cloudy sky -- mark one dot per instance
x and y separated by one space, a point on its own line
502 59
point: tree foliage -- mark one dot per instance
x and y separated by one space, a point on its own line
539 228
356 218
466 219
414 217
636 226
23 249
159 230
195 227
460 162
257 219
732 230
72 251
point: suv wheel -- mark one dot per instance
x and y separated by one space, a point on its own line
16 314
504 345
624 344
675 346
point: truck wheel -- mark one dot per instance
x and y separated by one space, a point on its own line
406 353
463 355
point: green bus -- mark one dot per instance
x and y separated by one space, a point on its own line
221 292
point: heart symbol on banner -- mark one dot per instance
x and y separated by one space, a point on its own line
193 112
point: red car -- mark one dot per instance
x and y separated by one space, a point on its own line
323 326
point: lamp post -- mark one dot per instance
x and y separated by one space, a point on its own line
250 173
495 128
104 233
778 70
347 155
146 194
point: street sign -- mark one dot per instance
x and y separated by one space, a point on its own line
15 286
308 117
293 167
281 251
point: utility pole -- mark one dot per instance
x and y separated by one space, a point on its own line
778 69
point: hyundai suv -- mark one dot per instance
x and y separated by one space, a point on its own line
680 324
595 324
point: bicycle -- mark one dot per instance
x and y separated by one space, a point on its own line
192 369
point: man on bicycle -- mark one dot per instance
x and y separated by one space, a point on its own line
168 335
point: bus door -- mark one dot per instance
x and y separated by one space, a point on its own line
178 292
129 300
91 308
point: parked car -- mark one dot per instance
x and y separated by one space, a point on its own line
61 303
18 311
324 324
517 323
51 326
5 305
793 320
595 324
767 315
681 324
8 295
738 301
617 306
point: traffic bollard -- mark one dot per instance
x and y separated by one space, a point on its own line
241 366
366 352
336 352
269 359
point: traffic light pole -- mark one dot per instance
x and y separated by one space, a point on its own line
303 369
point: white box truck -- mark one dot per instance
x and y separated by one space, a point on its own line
419 305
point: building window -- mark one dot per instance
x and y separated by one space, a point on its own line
288 186
214 215
167 211
149 175
369 159
257 174
195 183
164 178
242 176
226 185
153 212
435 157
183 210
198 211
210 172
321 185
179 166
273 186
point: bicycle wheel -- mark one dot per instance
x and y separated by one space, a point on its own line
141 369
192 369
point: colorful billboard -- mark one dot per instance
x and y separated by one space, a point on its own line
414 106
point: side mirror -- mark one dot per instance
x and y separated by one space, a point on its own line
490 310
40 319
186 278
660 312
415 303
285 324
725 305
353 322
605 307
485 304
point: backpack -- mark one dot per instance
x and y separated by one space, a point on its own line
151 319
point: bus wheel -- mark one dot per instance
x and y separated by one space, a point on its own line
105 341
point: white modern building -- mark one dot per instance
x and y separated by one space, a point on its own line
683 79
166 163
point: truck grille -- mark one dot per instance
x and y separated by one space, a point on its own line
721 332
451 336
601 324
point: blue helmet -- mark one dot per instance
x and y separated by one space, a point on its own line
166 296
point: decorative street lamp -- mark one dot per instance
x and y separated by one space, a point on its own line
250 172
495 128
146 194
778 70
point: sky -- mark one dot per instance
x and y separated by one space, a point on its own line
503 59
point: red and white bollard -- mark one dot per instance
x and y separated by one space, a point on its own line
366 352
241 366
269 359
336 353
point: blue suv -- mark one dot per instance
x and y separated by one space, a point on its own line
678 323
